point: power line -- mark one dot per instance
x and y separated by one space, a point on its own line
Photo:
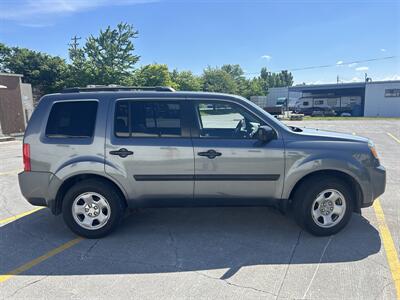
332 65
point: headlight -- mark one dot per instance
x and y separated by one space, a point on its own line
371 146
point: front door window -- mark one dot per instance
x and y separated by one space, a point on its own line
224 120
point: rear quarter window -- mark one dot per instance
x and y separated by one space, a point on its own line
72 119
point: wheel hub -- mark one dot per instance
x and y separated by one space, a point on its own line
92 210
328 208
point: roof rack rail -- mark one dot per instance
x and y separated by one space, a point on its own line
110 88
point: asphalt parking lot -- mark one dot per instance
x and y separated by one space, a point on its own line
230 253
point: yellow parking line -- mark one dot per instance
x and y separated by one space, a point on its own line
12 172
393 137
36 261
16 217
39 260
390 249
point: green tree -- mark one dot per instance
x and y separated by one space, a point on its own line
270 80
218 80
4 54
287 78
186 81
46 73
153 75
254 87
107 58
79 70
237 74
235 71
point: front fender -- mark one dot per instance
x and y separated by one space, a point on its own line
300 168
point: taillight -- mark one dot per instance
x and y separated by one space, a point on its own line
26 157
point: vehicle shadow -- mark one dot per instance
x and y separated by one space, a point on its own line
182 239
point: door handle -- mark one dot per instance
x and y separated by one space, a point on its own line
121 152
211 154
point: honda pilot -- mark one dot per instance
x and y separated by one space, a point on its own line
91 153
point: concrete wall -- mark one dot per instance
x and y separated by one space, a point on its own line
12 116
261 101
379 105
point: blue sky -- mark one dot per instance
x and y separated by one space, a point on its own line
189 35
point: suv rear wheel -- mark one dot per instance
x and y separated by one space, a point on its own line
323 206
92 208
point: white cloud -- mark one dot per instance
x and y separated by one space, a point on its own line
383 50
28 12
352 65
355 79
315 82
266 56
339 62
388 78
362 69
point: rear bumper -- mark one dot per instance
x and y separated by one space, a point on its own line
377 185
36 188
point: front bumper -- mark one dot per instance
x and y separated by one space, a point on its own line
377 185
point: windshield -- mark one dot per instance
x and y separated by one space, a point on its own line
276 121
270 117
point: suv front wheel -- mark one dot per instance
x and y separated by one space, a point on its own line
323 205
92 208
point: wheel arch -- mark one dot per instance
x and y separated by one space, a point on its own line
69 182
350 180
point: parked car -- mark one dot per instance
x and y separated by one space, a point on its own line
316 111
277 110
89 153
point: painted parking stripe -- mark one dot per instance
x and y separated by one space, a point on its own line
36 261
388 244
40 259
393 137
387 239
16 217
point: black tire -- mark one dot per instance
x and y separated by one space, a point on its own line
308 192
106 190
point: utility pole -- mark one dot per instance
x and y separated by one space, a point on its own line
337 79
74 43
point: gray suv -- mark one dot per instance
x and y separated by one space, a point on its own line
90 153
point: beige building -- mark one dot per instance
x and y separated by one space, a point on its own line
16 103
382 99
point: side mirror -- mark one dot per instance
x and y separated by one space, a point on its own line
265 134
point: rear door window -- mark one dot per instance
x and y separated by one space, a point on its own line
147 119
72 119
